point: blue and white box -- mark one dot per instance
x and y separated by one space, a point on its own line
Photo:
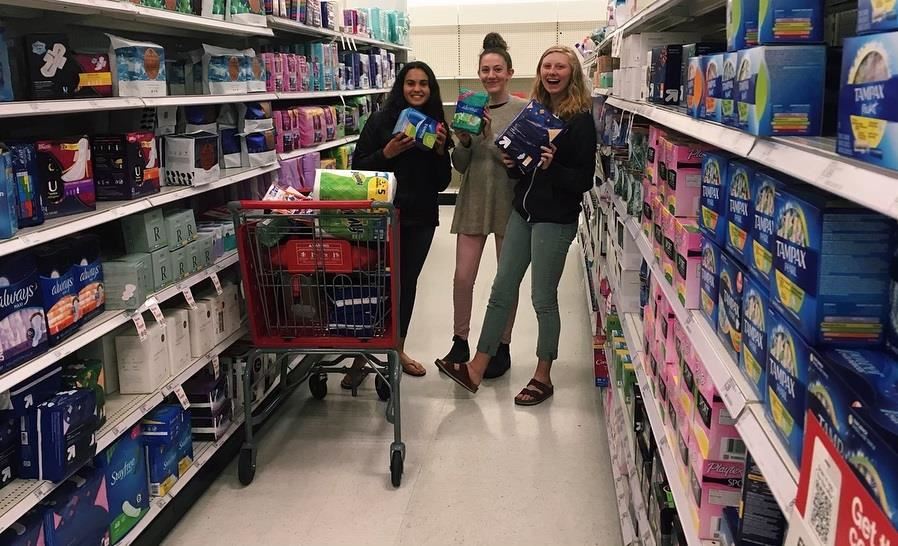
872 452
779 90
162 425
78 511
712 218
787 382
710 280
729 303
66 427
741 175
24 399
712 68
742 24
868 101
534 127
9 199
167 463
22 317
24 165
124 466
760 253
728 89
874 16
753 358
790 22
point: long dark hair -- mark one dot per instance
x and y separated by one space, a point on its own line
396 100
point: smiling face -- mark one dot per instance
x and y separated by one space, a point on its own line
494 73
555 73
416 88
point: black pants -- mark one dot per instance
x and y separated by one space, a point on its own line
414 245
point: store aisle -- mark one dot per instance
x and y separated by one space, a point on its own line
478 471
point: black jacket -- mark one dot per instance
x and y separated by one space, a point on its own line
554 195
420 174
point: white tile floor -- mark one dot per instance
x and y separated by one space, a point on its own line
479 470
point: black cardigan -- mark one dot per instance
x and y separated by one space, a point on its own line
554 195
420 174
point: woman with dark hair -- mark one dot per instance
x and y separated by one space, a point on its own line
484 200
421 175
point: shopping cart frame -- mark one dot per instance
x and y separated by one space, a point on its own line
315 350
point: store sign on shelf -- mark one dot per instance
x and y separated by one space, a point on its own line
832 507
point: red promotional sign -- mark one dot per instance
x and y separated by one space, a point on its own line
836 508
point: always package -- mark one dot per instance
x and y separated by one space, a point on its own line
53 71
222 71
418 126
469 110
138 68
191 159
534 127
125 166
65 176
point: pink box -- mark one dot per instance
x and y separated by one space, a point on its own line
688 258
684 176
664 387
715 485
291 72
715 431
268 63
657 237
654 152
283 129
278 72
668 250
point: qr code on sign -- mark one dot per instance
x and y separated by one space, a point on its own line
821 513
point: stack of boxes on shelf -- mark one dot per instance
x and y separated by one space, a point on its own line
301 127
374 22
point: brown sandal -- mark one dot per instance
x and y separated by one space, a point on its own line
459 374
536 396
414 368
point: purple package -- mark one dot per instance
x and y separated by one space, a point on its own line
289 173
283 142
268 62
330 123
23 323
290 72
311 126
278 72
310 163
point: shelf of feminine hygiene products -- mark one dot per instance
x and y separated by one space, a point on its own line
55 107
319 148
107 211
809 159
122 413
87 11
740 399
107 323
349 41
659 15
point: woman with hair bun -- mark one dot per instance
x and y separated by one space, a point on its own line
484 200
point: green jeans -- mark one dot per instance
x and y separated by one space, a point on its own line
545 246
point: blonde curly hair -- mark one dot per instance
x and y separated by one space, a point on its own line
579 97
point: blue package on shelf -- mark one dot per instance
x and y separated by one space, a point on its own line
66 433
22 317
28 531
788 362
760 240
418 126
755 312
9 201
712 218
88 272
77 513
24 165
532 129
163 424
167 463
124 466
9 447
790 22
59 290
24 399
710 280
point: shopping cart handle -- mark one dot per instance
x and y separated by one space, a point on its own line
290 205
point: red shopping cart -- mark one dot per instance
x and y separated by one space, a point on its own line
320 279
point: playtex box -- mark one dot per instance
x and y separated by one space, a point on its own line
742 24
710 280
779 90
688 249
78 511
715 485
712 216
22 316
729 303
684 176
790 22
712 68
760 239
817 237
418 126
534 127
787 381
124 468
755 310
65 176
868 116
739 210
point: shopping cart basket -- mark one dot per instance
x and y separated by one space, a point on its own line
323 280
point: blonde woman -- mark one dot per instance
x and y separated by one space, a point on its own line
484 200
541 227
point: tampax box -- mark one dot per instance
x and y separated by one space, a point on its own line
418 126
741 176
729 302
124 465
779 90
755 310
712 68
715 485
710 280
694 50
145 232
712 215
695 87
876 16
872 452
684 176
688 263
868 120
22 315
790 22
65 176
728 89
125 166
143 366
817 237
787 381
742 24
763 210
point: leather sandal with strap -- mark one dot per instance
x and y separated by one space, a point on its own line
459 374
536 396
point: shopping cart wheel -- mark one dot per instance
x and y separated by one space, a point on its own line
383 388
396 464
318 385
246 465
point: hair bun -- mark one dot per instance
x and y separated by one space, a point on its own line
494 40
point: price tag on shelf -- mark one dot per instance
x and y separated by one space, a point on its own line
182 396
216 366
153 305
833 176
733 398
188 297
216 282
140 325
